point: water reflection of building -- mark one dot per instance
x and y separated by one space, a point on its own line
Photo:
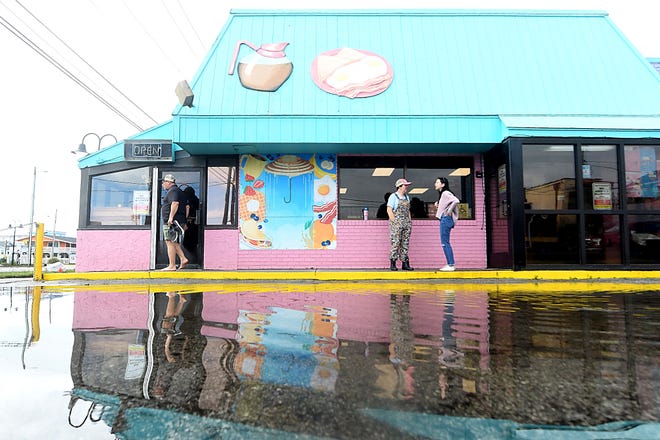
248 343
586 357
255 357
559 194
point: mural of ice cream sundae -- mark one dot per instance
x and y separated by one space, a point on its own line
288 201
252 203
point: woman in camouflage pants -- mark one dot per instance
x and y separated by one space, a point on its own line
398 211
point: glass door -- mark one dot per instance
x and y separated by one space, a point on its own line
189 180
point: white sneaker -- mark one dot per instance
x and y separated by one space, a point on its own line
448 268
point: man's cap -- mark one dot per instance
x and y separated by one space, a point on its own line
169 178
402 182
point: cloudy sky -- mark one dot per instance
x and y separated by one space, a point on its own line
62 60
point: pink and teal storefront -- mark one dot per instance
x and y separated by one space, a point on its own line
298 123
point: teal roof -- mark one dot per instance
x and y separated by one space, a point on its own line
115 153
460 77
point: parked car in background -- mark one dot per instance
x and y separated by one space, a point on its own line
645 238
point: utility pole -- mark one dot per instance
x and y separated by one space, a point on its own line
52 241
34 185
13 245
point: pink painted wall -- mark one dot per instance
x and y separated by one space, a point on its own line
360 245
221 249
112 250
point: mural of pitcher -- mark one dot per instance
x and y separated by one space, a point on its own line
264 70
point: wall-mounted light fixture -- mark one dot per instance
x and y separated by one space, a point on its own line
82 148
184 93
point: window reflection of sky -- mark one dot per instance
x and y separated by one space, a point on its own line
542 165
111 199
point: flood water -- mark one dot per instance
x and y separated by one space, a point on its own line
329 360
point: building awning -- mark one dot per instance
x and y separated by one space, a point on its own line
229 135
625 127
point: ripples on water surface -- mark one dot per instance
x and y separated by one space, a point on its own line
330 360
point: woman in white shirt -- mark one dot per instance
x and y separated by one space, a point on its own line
447 212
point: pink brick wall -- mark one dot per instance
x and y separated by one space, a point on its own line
112 250
360 245
221 249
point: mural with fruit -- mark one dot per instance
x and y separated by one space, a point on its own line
288 201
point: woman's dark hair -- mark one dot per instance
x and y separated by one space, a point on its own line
445 187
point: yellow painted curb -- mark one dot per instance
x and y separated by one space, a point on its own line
366 275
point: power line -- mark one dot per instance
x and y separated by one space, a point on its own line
176 23
64 70
183 11
154 40
86 63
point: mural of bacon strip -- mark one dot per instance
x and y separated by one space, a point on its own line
329 216
328 206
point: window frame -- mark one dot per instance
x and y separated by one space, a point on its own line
88 174
216 162
402 168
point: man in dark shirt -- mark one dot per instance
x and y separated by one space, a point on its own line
382 209
173 213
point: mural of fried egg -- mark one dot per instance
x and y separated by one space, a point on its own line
325 190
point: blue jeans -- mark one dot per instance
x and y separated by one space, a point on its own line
446 224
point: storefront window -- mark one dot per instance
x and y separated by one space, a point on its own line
642 176
644 238
551 238
611 226
549 176
221 195
602 239
121 198
600 177
366 181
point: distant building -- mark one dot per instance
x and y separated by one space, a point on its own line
59 246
